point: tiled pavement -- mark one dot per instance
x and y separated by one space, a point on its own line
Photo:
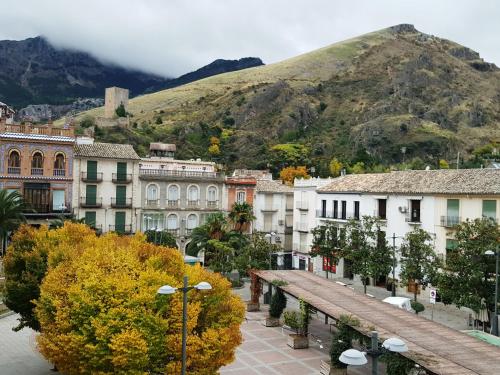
264 351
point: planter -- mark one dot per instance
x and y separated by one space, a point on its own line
272 322
297 341
253 306
327 369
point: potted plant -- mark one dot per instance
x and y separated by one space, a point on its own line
299 322
256 290
278 304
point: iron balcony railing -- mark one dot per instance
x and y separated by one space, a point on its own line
336 215
121 178
92 177
90 202
450 221
123 229
121 202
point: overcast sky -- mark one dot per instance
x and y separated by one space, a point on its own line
172 37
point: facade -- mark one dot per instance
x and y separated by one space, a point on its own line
435 201
106 191
304 220
113 98
273 211
37 161
177 195
239 188
6 113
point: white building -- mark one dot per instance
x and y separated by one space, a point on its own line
434 200
106 190
273 210
304 219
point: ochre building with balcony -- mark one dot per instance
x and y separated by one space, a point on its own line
37 161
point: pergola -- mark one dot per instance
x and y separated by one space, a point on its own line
435 347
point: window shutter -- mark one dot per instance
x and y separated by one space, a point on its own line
91 170
120 222
121 195
490 209
121 171
91 194
90 218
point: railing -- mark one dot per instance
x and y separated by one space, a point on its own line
193 203
120 178
189 231
302 205
37 171
121 202
46 208
97 177
59 172
173 232
212 203
301 227
90 203
336 215
173 203
36 129
169 173
13 170
450 221
152 203
123 229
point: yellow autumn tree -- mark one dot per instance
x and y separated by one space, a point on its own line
99 312
288 174
335 167
214 149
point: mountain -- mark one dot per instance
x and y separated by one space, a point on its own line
385 97
33 72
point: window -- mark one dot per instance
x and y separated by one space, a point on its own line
120 222
451 245
382 209
90 218
121 195
153 221
329 265
490 209
323 208
356 210
172 222
37 163
192 221
173 195
152 194
37 195
193 195
452 212
91 195
58 200
59 165
335 209
344 210
212 195
240 196
91 170
121 171
14 163
415 211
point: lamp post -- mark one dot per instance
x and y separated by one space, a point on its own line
354 357
167 289
494 323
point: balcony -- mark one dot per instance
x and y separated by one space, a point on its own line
13 170
342 216
122 229
86 202
212 204
48 130
193 203
413 220
450 221
37 171
37 209
91 177
189 231
302 205
301 227
145 173
120 178
152 203
59 172
121 202
173 203
173 231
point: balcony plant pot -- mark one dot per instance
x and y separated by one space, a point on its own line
272 322
253 306
328 369
296 341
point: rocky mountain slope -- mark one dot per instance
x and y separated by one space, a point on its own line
32 71
365 99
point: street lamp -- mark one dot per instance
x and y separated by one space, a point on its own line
354 357
167 289
494 323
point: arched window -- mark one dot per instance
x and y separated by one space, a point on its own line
193 194
212 194
152 195
192 221
173 193
172 224
37 163
59 165
14 163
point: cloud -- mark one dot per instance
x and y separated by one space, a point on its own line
172 37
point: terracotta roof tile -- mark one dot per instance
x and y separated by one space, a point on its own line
106 151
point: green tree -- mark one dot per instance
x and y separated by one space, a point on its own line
257 254
278 304
419 263
12 206
120 111
215 228
468 274
327 243
241 216
443 164
162 238
358 168
220 257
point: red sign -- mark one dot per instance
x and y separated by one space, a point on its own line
329 267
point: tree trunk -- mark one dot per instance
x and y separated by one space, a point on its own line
364 284
415 292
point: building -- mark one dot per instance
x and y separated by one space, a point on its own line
304 219
37 161
113 98
106 191
434 200
6 113
273 211
177 195
239 188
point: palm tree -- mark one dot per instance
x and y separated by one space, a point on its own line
241 216
12 206
214 229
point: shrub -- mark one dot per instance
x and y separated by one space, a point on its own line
417 306
120 111
278 304
158 121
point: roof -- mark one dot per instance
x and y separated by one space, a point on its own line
106 151
37 137
443 181
272 186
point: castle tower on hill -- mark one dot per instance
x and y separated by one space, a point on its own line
114 96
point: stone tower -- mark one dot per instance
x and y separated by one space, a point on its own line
113 98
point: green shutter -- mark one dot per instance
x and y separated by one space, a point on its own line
453 208
451 246
121 171
121 195
120 222
90 218
91 170
91 194
490 209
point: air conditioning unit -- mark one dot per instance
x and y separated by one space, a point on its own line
281 222
403 209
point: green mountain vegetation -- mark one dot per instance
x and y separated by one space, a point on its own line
382 98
